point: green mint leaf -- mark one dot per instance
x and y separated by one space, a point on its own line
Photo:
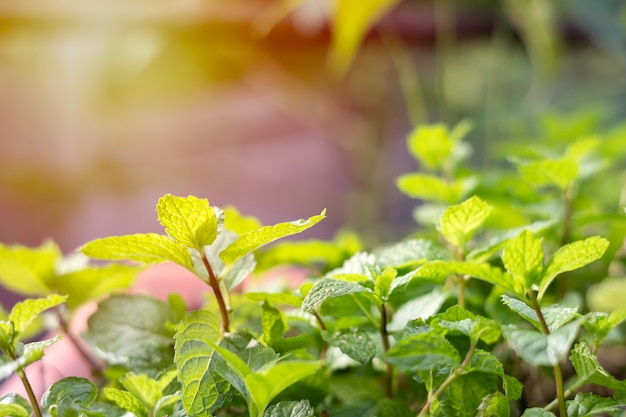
69 397
286 298
382 281
239 224
267 384
512 387
555 315
537 412
465 394
250 241
231 276
147 248
273 323
431 145
189 220
354 343
329 288
459 222
90 283
559 172
600 325
588 405
24 312
590 371
417 308
31 352
126 401
203 389
523 259
147 390
15 406
494 404
423 352
457 319
290 409
27 270
539 349
410 254
572 256
133 331
433 188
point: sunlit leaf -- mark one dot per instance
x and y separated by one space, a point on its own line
252 240
423 352
523 259
189 220
459 222
69 397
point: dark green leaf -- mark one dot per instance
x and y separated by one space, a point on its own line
329 288
203 389
133 331
422 352
354 343
290 409
69 397
588 405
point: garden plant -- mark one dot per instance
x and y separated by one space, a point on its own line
483 310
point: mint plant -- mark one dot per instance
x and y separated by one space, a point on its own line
459 318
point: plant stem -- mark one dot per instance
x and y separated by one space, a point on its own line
29 391
96 367
449 380
558 374
384 335
460 282
215 285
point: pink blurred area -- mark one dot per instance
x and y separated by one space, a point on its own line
105 107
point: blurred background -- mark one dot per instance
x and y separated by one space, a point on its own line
278 107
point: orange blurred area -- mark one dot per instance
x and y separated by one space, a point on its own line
106 106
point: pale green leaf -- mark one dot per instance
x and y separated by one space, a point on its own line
189 220
127 401
92 282
27 270
431 145
590 371
423 352
433 188
523 259
289 299
354 343
559 172
457 319
417 308
147 390
600 324
572 256
352 19
459 222
539 349
236 222
147 248
14 405
555 315
69 397
329 288
24 312
382 282
273 324
265 386
410 254
493 405
31 352
589 405
133 331
300 408
203 389
250 241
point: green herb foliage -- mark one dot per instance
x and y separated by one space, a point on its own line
463 317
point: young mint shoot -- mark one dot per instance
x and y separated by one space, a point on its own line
193 226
